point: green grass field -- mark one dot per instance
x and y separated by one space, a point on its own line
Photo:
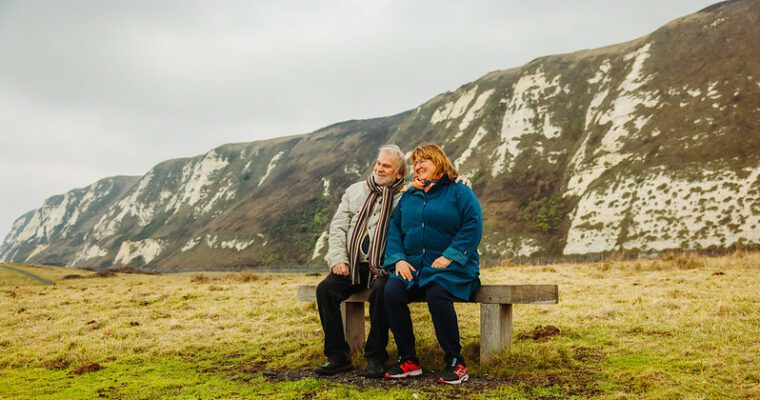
684 326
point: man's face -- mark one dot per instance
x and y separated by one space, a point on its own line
386 169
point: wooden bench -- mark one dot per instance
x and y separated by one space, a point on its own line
495 313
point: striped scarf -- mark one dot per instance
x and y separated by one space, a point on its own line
377 245
426 185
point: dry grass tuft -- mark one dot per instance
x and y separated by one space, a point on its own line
132 270
507 262
199 278
684 260
56 364
244 277
540 333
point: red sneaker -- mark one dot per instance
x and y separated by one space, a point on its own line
404 369
454 374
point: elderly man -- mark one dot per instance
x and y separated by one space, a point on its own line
356 248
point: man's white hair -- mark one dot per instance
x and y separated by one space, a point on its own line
396 151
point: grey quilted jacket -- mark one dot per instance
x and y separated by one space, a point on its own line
345 218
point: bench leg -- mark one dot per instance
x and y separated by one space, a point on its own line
495 329
353 325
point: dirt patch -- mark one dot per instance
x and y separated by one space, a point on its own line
427 382
86 368
540 333
55 364
578 382
104 274
73 276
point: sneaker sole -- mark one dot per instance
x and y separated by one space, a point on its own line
344 368
416 372
456 382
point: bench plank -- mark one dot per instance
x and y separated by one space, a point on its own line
517 294
486 294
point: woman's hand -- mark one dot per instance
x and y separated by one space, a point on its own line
404 269
441 262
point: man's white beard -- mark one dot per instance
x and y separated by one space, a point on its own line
383 181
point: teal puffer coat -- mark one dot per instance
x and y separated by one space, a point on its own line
447 221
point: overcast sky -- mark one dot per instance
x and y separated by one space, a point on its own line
90 89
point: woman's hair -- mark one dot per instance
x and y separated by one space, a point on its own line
396 151
435 153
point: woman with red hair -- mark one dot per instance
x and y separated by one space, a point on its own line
432 254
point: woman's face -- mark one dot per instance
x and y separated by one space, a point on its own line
424 168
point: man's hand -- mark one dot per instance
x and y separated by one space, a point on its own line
463 180
340 269
441 262
404 269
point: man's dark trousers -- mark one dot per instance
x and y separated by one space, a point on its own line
330 293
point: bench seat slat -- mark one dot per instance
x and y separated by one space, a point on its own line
487 294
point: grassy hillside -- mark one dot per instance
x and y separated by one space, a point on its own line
12 278
21 274
684 326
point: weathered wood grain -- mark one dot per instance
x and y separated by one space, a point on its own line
495 329
487 294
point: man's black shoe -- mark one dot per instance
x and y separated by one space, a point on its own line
375 369
332 367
